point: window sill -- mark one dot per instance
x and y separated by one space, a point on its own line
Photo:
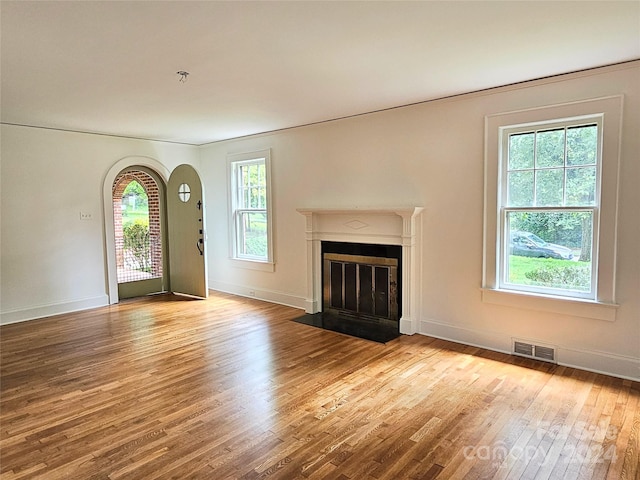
567 306
253 264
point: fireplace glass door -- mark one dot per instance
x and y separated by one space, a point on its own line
360 285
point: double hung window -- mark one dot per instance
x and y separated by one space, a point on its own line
551 190
250 207
549 200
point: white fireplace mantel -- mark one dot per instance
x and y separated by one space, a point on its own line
384 226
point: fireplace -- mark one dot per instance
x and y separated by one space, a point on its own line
376 229
361 280
364 286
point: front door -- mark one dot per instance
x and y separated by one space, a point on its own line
185 214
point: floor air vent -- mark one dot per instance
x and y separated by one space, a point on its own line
530 350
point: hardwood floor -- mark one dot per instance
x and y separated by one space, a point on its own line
166 387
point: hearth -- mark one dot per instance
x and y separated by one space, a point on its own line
361 290
381 331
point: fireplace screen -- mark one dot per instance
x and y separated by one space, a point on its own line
362 285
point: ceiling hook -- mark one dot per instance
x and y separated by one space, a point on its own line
183 75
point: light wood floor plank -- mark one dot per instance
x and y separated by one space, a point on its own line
167 387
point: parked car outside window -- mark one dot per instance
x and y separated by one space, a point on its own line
527 244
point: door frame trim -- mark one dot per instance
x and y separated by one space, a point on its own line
107 199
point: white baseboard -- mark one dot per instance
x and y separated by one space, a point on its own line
600 362
593 361
474 338
41 311
260 294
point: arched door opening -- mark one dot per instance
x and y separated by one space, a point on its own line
138 209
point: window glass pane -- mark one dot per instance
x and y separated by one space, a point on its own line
582 145
549 187
521 151
252 234
520 190
253 175
254 197
262 198
581 186
253 185
551 250
550 148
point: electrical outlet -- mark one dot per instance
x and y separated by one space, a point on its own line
86 216
252 293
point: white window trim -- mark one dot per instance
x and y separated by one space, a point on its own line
246 262
603 306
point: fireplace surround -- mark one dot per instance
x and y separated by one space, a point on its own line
374 226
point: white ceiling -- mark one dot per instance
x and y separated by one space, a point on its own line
110 67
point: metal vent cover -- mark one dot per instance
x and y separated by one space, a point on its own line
522 348
530 350
544 353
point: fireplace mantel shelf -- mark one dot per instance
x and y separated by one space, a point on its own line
362 210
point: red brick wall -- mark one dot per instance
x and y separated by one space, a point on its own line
155 234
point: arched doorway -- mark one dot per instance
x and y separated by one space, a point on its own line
138 218
187 252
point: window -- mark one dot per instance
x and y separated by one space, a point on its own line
549 193
551 206
250 207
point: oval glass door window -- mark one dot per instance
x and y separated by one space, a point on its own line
184 192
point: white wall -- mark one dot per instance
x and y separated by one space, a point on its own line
431 155
51 261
